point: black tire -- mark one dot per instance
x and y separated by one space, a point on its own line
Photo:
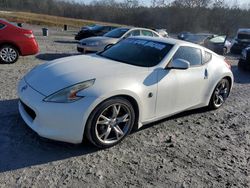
13 54
220 94
92 127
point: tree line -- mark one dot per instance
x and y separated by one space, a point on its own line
175 16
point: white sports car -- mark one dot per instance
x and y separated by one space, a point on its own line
137 81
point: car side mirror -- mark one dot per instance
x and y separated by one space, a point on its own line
179 64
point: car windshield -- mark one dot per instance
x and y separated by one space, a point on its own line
96 28
138 52
116 33
243 36
196 38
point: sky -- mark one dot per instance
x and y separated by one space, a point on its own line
148 2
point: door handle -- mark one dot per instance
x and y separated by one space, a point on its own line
206 74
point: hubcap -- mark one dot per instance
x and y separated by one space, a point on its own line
8 55
221 93
113 123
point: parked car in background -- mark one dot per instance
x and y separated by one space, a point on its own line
241 41
134 82
96 30
96 44
216 43
244 61
183 35
15 41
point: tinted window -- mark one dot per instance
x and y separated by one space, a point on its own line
116 33
243 36
147 33
190 54
138 52
207 57
1 26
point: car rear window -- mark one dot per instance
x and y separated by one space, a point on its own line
207 57
138 52
116 33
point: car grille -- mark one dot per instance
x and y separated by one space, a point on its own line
28 110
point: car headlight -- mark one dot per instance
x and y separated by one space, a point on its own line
93 43
69 94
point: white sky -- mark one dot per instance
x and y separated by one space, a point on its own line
148 2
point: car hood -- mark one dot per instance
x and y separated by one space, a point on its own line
105 40
58 74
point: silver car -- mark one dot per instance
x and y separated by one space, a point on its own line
96 44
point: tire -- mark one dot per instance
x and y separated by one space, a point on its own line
110 122
220 94
8 54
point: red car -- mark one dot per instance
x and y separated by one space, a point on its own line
15 41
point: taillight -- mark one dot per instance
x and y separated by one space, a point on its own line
30 35
228 64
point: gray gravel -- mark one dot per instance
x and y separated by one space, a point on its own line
198 148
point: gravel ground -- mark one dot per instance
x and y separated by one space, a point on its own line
198 148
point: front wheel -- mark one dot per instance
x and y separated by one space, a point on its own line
220 94
8 54
110 122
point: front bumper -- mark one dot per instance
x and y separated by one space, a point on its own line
89 49
57 121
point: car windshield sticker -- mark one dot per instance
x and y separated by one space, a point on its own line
156 45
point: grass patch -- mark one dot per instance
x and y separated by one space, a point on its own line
42 19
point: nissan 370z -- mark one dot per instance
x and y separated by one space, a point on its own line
104 96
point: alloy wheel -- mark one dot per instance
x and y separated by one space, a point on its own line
8 55
221 93
113 123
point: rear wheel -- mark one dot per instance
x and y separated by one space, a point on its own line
110 122
8 54
220 94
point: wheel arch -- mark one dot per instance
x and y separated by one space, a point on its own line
11 44
229 78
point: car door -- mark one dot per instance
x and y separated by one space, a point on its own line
179 89
217 44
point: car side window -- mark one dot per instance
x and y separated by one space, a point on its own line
1 25
147 33
207 57
155 35
190 54
133 33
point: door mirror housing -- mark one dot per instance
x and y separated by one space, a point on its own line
179 64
